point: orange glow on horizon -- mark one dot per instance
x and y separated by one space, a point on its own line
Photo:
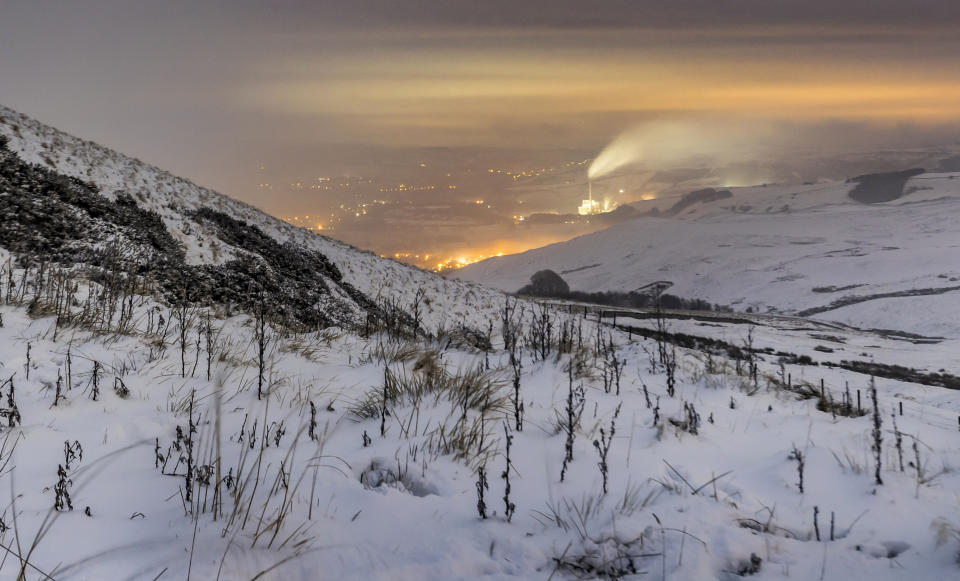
457 258
470 94
463 260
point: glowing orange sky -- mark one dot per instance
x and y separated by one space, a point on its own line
237 93
226 85
506 79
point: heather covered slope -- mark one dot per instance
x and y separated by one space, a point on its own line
213 230
48 218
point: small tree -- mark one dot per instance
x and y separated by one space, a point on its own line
573 411
311 431
516 363
877 432
208 332
603 446
482 487
751 356
671 366
12 412
509 507
260 335
384 412
181 314
799 456
416 309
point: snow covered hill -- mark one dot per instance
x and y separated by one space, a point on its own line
206 240
808 250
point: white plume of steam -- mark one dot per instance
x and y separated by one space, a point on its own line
672 143
707 142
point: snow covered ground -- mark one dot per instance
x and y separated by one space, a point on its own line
352 503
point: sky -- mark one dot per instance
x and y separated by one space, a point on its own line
217 90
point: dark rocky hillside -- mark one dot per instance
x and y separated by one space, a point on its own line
46 217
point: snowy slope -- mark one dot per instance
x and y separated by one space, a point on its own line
749 252
714 504
450 302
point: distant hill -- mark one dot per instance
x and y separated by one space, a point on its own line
810 249
882 187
